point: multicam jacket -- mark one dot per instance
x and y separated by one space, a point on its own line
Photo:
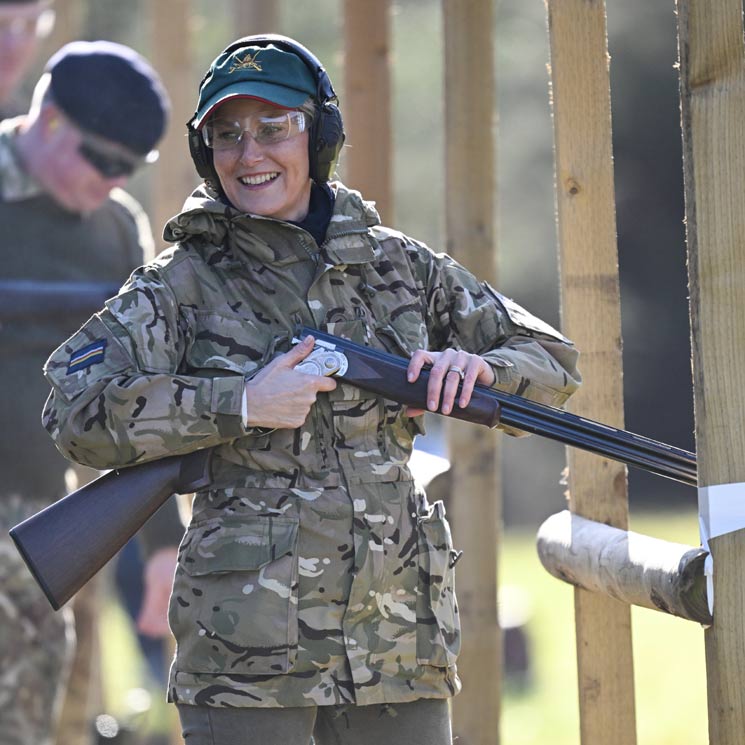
313 571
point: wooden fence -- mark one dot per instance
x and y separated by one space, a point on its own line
591 548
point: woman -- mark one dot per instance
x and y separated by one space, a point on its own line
314 587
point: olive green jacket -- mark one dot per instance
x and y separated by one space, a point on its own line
313 571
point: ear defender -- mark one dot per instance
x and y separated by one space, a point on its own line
326 134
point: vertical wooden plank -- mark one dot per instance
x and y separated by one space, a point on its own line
368 157
256 17
476 498
173 176
591 317
712 87
725 642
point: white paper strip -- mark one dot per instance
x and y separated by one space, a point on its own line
721 510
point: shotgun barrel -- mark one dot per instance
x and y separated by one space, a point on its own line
385 374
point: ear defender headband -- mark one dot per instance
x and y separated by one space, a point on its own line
326 133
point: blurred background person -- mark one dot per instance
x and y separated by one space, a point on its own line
98 111
23 24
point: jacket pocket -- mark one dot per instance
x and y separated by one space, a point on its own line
221 341
437 619
235 595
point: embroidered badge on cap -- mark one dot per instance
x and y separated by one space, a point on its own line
247 63
87 356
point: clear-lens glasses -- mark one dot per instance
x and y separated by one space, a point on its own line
225 134
29 24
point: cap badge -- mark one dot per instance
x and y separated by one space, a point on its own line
247 63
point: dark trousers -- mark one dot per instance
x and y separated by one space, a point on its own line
423 722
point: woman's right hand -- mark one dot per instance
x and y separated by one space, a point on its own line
280 397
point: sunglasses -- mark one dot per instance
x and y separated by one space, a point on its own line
107 164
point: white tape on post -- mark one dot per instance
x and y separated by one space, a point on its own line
721 510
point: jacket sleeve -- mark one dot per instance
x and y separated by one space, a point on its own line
529 357
118 395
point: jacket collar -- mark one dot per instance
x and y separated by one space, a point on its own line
218 226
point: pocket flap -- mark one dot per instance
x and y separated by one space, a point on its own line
226 342
240 545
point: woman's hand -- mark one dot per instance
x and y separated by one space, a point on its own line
280 397
448 368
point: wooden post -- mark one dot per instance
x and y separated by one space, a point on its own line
255 17
591 317
368 159
173 176
476 502
712 86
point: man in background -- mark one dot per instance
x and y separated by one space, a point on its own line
98 111
23 24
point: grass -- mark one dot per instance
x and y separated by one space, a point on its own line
669 667
129 694
668 657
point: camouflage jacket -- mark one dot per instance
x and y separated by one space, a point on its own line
313 571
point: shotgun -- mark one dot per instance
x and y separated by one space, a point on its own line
65 544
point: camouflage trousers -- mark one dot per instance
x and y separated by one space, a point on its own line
36 645
422 722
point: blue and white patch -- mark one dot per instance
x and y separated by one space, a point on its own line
87 356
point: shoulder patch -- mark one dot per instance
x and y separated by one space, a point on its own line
89 355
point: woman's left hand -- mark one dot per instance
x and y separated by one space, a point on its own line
448 368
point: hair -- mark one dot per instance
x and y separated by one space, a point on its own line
309 108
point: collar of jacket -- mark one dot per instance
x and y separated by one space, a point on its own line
218 226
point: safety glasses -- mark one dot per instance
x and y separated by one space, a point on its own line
226 134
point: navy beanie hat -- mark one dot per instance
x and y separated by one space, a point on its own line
110 90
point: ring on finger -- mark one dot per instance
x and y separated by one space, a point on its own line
456 369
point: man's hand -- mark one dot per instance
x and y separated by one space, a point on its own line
448 368
158 580
280 397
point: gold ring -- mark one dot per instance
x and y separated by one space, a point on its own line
456 369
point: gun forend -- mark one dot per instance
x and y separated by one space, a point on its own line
385 374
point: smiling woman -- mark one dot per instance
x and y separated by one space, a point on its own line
314 591
262 173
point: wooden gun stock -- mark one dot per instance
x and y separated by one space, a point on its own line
66 543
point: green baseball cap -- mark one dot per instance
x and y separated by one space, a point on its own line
265 73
